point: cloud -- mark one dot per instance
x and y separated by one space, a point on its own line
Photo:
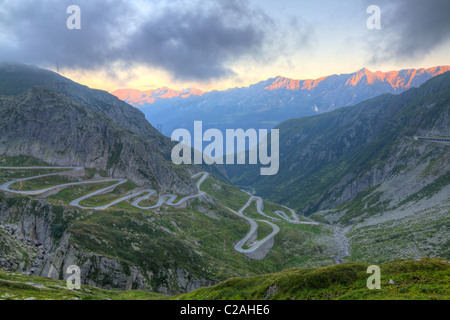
192 40
410 29
199 43
38 33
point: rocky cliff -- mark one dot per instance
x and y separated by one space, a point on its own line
35 240
60 131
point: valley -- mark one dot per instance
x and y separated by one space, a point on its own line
377 171
87 181
237 151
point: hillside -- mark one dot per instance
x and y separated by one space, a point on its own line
81 185
359 143
59 131
125 237
426 279
17 78
360 167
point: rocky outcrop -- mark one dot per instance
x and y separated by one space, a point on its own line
55 129
31 242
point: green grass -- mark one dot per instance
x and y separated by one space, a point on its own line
8 174
263 231
149 202
427 279
74 192
104 199
270 208
42 183
424 279
21 161
57 290
227 195
199 238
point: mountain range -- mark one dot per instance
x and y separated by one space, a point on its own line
140 98
268 103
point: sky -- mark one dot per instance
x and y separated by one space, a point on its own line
219 44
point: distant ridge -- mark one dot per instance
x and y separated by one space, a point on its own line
268 103
139 98
396 80
402 79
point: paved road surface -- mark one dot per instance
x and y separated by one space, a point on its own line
259 249
168 199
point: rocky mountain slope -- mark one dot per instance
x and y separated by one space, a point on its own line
17 78
268 103
169 249
67 124
35 240
364 174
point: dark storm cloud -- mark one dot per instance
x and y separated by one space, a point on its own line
193 40
36 32
198 43
410 28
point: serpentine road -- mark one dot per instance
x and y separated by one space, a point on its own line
256 249
167 199
259 249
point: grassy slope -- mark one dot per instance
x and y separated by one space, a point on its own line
424 279
295 245
382 227
20 288
427 279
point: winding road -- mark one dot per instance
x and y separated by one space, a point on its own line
167 199
256 249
